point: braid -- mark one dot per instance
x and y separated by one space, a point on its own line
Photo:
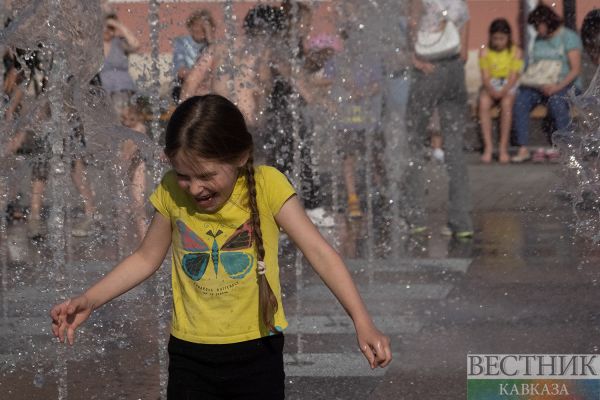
266 297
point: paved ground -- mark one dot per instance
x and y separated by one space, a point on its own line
525 284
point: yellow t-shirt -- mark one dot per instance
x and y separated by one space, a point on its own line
215 287
500 64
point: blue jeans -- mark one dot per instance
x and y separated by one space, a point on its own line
527 99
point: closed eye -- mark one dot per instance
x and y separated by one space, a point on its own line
207 176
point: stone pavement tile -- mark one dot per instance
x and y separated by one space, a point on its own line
424 383
522 285
501 187
321 388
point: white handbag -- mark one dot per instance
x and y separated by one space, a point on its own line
544 72
541 73
433 46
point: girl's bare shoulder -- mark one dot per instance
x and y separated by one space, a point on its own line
517 51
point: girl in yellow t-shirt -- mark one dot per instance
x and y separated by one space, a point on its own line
501 63
221 217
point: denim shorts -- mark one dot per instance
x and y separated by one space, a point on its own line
499 83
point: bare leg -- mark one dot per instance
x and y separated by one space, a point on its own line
436 140
16 142
83 187
350 181
485 121
349 178
35 228
37 192
505 126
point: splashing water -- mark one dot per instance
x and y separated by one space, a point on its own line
580 151
124 335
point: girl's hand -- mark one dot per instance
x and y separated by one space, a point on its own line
374 345
68 315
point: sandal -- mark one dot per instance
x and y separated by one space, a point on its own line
539 156
520 158
553 155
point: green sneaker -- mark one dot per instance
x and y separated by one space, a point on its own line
447 231
464 234
418 230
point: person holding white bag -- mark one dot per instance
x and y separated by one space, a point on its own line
438 30
553 70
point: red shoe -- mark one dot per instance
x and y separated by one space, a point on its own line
553 155
539 156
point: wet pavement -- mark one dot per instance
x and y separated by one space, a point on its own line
525 284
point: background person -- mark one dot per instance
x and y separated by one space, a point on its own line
134 162
438 83
33 122
357 92
590 35
118 43
500 63
243 73
554 42
188 48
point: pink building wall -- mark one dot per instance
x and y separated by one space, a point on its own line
484 11
173 15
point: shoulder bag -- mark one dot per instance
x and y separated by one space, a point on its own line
433 46
543 72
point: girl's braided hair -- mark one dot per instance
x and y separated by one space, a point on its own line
212 127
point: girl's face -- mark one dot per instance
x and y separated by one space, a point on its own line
499 41
209 182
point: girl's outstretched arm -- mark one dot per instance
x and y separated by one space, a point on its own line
130 272
332 270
